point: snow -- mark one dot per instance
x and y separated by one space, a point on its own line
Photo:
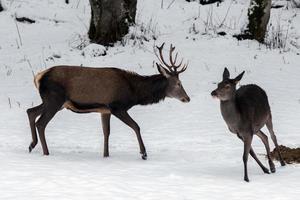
191 154
94 50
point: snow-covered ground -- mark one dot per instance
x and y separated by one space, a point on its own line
191 154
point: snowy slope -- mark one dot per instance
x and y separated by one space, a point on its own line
191 154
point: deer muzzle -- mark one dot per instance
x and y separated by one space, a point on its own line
214 94
185 99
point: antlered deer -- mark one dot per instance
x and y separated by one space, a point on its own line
103 90
245 111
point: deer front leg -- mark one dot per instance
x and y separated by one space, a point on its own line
252 153
125 117
265 170
105 118
247 147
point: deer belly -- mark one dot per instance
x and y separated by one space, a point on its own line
80 109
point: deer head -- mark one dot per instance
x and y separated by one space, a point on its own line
227 87
171 71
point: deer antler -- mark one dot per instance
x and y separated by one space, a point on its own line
172 67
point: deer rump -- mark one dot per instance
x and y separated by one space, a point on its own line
252 103
85 89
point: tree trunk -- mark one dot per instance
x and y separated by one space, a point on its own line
1 8
258 15
111 20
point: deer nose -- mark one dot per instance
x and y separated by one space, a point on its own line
186 99
214 93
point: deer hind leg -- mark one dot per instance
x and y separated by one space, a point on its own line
33 113
264 139
105 118
269 125
252 153
124 117
51 106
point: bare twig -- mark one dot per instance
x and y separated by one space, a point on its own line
170 4
19 33
77 4
9 102
30 67
222 23
82 23
17 43
43 58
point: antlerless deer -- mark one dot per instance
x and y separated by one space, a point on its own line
109 91
245 111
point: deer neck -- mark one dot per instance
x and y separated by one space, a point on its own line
230 113
151 89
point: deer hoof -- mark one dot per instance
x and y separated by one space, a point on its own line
282 163
144 156
31 146
30 149
273 170
246 179
266 171
105 155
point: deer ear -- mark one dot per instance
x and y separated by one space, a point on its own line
238 78
226 74
163 71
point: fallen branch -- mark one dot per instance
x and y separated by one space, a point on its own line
205 2
243 36
25 20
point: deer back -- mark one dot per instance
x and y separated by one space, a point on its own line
89 85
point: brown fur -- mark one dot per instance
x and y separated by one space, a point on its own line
109 91
102 90
38 77
246 110
86 85
70 106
